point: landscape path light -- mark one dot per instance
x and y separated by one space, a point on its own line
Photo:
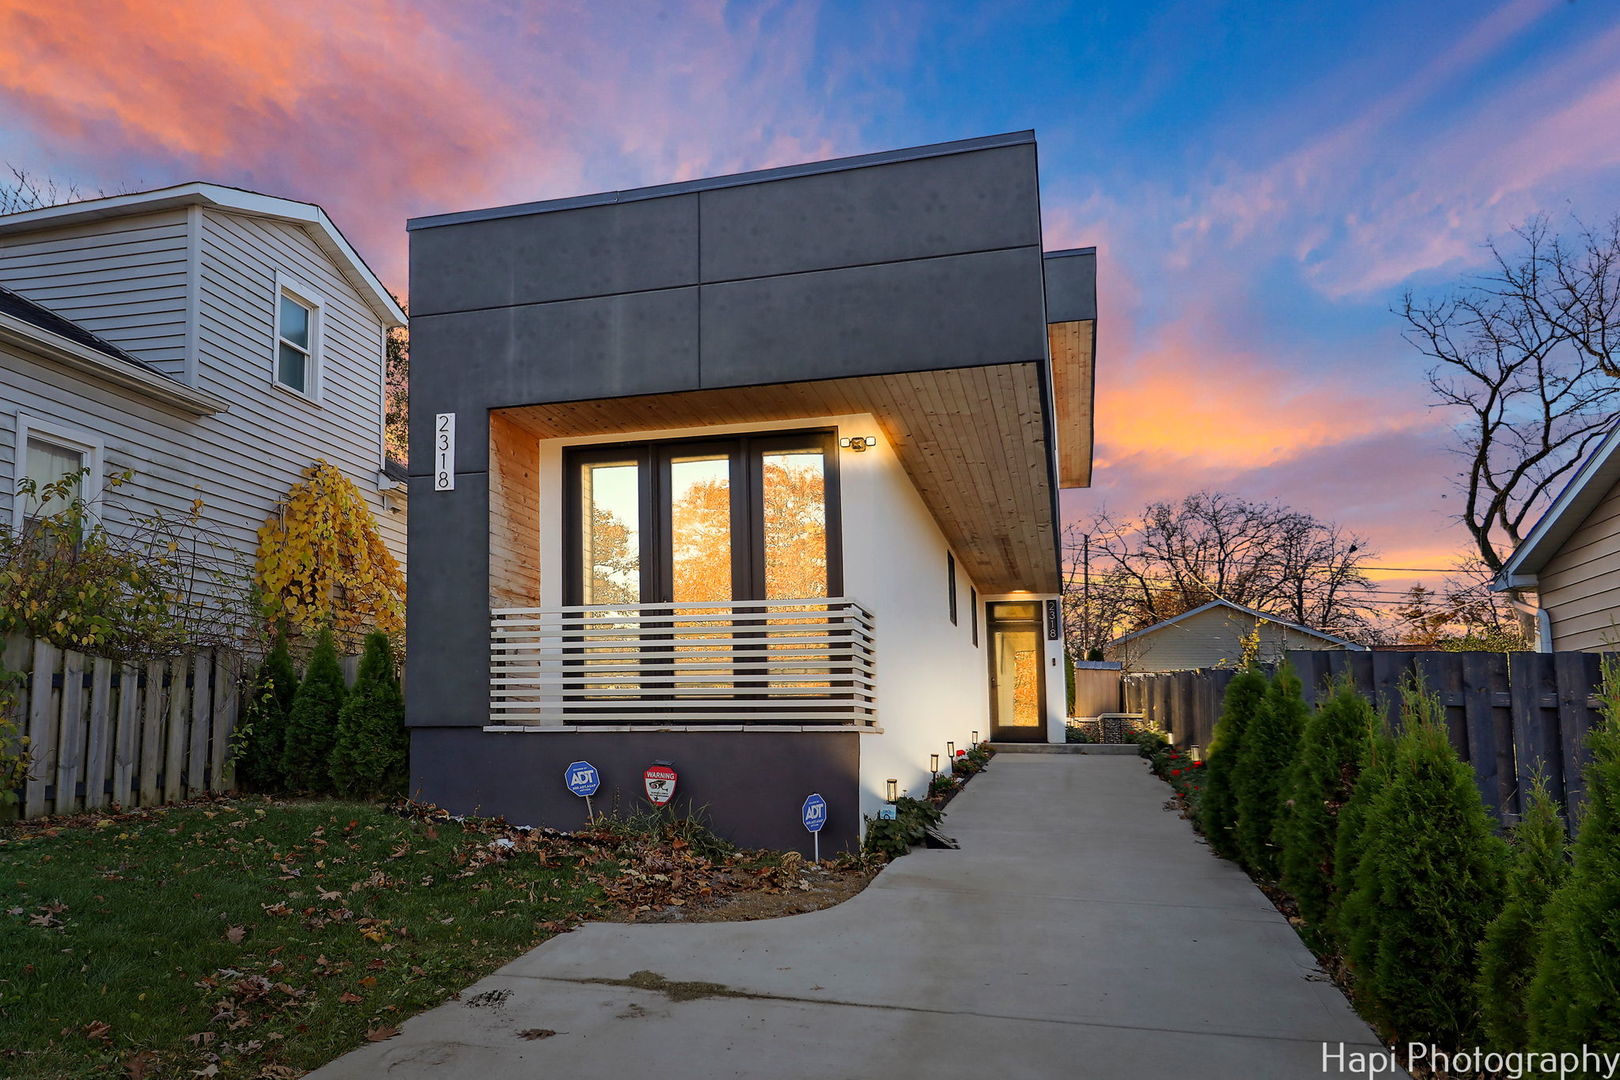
894 789
933 764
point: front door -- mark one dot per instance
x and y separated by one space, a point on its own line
1017 677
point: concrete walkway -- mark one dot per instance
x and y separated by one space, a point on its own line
1082 931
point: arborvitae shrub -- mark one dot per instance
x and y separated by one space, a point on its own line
1539 864
1262 765
1575 995
1218 810
264 721
369 756
1331 749
1434 873
1353 906
312 720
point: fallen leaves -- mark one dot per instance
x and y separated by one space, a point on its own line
235 934
381 1034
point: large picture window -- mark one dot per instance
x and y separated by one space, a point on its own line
746 518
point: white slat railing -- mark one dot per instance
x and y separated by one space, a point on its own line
734 662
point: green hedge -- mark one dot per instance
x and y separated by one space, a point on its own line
1267 753
1575 995
312 720
1430 881
1512 942
1218 808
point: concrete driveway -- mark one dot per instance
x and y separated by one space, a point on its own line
1082 931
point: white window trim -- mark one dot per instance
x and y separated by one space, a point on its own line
287 285
93 448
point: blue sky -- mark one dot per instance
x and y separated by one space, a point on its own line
1263 180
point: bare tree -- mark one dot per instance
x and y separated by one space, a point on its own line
1216 546
23 190
1462 614
1527 356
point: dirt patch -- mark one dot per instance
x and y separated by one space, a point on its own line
816 888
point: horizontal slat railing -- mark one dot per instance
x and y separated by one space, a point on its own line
738 662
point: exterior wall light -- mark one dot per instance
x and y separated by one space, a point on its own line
933 764
893 789
857 443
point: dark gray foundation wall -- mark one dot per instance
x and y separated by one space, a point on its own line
749 785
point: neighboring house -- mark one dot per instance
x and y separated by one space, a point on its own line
1212 636
757 475
213 341
1570 560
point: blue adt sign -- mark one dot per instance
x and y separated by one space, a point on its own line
814 813
582 778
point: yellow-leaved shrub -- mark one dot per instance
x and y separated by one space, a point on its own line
322 562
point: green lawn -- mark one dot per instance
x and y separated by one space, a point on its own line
253 937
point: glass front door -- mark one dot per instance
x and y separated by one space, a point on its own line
1017 677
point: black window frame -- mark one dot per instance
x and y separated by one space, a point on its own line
973 613
950 580
746 452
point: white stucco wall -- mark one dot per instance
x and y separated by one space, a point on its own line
932 680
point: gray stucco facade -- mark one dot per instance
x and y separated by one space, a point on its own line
921 260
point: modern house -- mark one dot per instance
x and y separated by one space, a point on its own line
212 341
754 475
1212 636
1570 560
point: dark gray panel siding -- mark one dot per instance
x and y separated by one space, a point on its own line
750 785
957 311
908 210
601 250
1071 286
447 603
638 343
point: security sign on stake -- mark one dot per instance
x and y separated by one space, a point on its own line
814 813
660 782
582 778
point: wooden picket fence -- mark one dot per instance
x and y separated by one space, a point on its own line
102 732
1509 714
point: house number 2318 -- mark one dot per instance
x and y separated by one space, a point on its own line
444 452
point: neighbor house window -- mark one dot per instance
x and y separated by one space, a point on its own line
950 582
298 330
51 455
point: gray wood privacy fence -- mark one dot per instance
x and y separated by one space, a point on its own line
1096 688
102 732
1508 713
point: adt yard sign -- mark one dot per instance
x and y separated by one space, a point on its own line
814 813
582 778
814 816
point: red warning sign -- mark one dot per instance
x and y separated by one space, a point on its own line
660 782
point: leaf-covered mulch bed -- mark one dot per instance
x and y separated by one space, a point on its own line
259 938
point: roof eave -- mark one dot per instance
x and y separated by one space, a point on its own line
1586 488
198 193
152 384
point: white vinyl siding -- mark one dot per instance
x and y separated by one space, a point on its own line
124 279
1580 586
240 462
1213 638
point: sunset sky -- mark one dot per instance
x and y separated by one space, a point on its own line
1262 180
